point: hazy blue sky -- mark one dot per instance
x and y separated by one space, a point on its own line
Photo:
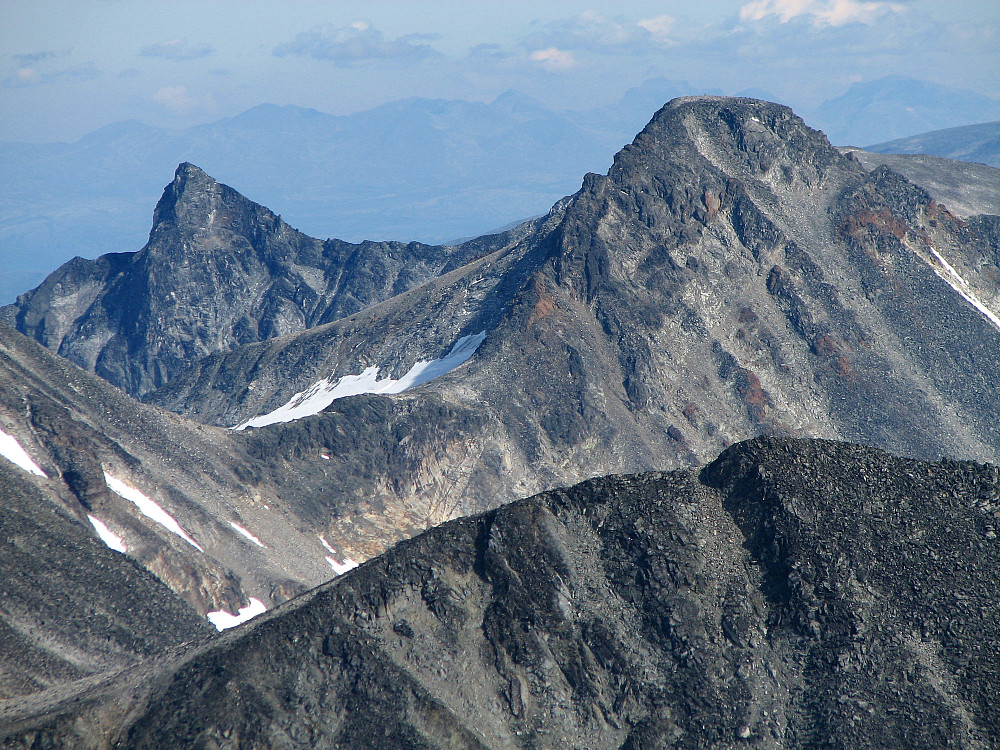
70 66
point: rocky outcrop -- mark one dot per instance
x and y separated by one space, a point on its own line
218 271
732 275
790 594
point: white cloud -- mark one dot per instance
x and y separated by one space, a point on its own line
589 30
24 77
822 12
30 75
554 59
356 42
178 100
659 27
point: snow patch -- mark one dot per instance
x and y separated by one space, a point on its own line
149 508
324 392
960 285
13 452
341 567
109 537
326 544
338 567
223 620
247 534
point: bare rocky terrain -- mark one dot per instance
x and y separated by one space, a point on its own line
790 594
218 271
732 276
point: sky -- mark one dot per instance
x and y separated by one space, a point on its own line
68 67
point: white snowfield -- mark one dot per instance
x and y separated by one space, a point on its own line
149 508
324 392
13 452
341 567
109 537
960 285
247 534
223 619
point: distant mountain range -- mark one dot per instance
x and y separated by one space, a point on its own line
416 169
978 143
896 106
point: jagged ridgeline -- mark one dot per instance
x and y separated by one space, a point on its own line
791 594
732 275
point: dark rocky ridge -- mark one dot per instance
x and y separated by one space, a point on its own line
791 594
967 188
218 271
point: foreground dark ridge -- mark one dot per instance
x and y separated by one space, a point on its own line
792 593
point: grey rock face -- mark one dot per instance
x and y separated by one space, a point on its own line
790 594
732 275
218 271
967 188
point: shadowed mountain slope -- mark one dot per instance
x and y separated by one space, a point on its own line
70 607
791 594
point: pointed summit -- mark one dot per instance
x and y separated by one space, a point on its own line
218 271
196 204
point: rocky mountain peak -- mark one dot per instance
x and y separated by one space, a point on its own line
209 215
704 165
716 139
219 270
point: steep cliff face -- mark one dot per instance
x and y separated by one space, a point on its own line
791 594
732 275
218 271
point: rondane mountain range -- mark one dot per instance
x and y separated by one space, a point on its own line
304 405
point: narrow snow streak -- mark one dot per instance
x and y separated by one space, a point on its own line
223 620
149 508
326 544
960 285
109 537
13 452
324 392
247 534
342 567
338 567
